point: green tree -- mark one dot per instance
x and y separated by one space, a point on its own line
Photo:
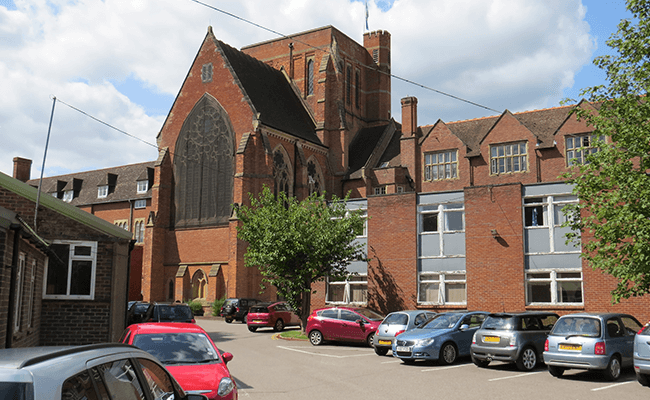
296 243
614 186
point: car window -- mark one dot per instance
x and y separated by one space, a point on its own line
632 326
347 315
158 380
330 313
243 303
474 321
79 386
16 391
530 324
371 315
500 322
121 380
398 319
645 330
279 307
579 326
614 328
548 321
125 336
442 321
259 309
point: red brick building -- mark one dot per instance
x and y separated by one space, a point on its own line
462 214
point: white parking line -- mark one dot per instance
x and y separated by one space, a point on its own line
392 362
515 376
324 355
611 386
449 367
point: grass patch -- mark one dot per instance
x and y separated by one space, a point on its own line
294 334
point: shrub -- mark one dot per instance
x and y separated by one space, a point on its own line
197 307
216 306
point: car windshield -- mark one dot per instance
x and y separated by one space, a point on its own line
396 319
141 308
178 348
500 322
173 313
371 315
442 321
577 326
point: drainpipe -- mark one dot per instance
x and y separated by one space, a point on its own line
12 286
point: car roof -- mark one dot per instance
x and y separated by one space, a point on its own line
21 357
598 315
165 327
523 313
412 312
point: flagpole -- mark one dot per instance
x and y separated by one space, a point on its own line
40 182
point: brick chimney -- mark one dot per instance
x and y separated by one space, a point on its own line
409 116
22 168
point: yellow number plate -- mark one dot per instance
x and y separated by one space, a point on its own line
384 342
571 347
491 339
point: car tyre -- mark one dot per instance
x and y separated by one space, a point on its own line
556 371
448 354
643 379
370 339
315 338
243 319
228 320
381 351
279 325
252 328
613 370
527 360
480 363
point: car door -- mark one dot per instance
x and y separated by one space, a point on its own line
631 327
329 323
351 329
463 338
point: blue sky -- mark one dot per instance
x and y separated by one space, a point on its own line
123 62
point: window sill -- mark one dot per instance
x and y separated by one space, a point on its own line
428 306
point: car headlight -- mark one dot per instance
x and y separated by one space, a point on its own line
425 342
225 386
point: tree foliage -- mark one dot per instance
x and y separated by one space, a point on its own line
614 187
296 243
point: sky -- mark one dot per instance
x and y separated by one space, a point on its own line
116 66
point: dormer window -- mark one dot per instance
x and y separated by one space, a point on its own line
508 158
68 195
441 165
102 191
143 186
579 146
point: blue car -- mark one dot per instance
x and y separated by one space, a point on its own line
445 337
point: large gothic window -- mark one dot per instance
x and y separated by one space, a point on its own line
314 177
199 285
203 165
282 175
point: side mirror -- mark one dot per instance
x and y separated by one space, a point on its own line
361 321
464 327
227 357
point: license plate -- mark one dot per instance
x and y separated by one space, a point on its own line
491 339
403 348
571 347
385 342
257 320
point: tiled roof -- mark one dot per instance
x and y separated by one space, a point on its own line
271 94
123 178
361 148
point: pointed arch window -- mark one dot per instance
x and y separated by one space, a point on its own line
314 177
204 166
310 77
199 285
282 175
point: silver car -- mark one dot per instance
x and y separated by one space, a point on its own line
642 355
396 323
591 341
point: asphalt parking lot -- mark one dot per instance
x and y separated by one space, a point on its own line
266 367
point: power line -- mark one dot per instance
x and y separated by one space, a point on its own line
328 52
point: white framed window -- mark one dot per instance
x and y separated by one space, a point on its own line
351 290
579 146
450 217
18 294
142 203
68 195
102 191
443 288
441 165
30 299
555 286
70 274
142 186
508 158
545 211
138 230
380 190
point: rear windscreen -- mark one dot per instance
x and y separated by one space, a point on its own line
498 322
16 391
256 309
396 319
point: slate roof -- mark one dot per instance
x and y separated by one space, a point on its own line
271 94
361 149
123 178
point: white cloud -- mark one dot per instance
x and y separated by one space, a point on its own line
514 54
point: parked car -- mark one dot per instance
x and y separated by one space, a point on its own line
276 315
444 338
189 354
344 324
395 323
170 312
138 311
512 337
97 371
642 355
236 309
602 342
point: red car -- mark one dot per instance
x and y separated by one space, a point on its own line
344 324
189 354
276 315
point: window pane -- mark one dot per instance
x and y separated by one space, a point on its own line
454 277
358 293
81 275
454 221
429 292
430 222
82 250
455 293
335 292
539 292
569 292
57 270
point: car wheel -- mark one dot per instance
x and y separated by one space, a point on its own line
448 354
279 325
252 328
228 320
243 319
556 371
315 338
480 363
643 379
381 351
613 370
369 340
527 360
